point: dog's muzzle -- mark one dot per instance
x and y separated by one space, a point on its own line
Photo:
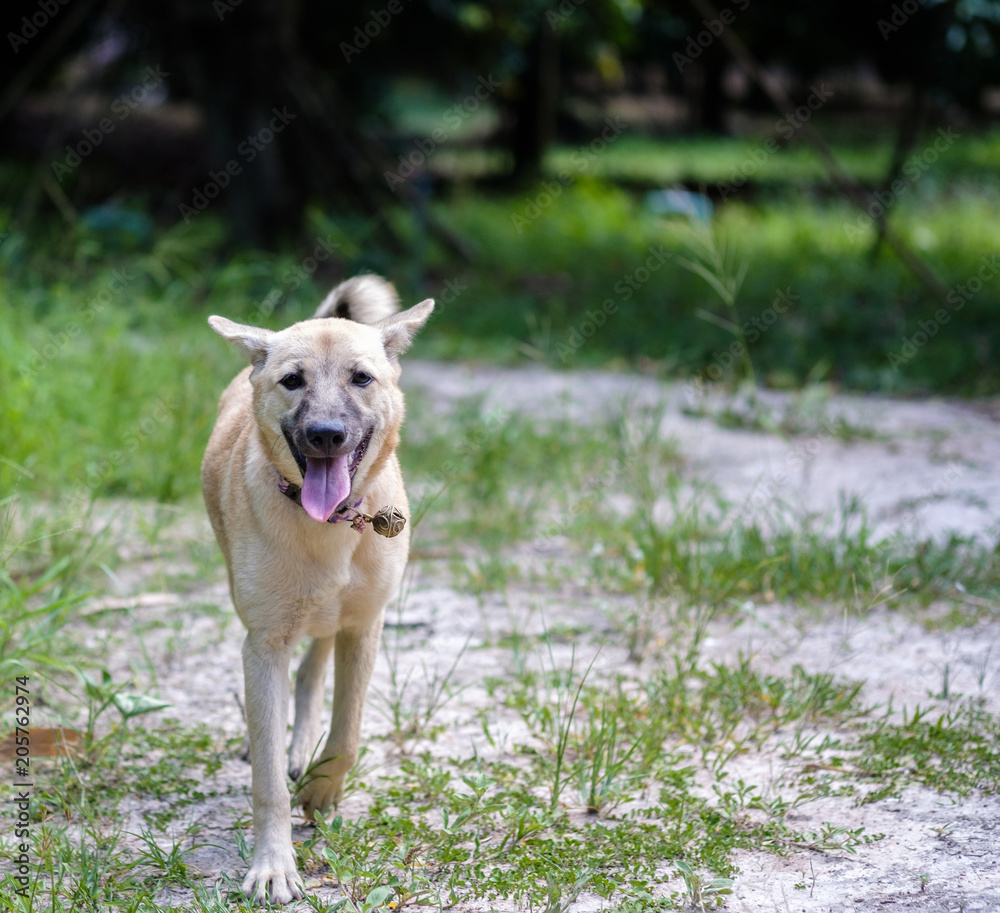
327 476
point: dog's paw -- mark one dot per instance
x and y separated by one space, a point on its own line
298 762
323 786
272 877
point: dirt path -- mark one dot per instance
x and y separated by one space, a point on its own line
930 468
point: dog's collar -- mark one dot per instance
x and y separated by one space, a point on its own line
294 492
387 522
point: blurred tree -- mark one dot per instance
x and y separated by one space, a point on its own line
324 71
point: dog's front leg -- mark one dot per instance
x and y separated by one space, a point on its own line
273 874
354 657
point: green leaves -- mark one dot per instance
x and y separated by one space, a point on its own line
104 692
701 890
131 705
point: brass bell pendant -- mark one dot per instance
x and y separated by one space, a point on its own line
388 522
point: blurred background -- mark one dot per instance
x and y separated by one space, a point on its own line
790 193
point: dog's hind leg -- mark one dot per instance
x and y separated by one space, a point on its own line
309 690
354 657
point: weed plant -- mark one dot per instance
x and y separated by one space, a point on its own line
629 783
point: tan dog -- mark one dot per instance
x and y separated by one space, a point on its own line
304 443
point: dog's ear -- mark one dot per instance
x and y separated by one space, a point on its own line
253 342
399 329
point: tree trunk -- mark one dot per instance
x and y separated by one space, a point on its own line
535 110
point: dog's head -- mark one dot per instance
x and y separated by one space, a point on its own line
326 399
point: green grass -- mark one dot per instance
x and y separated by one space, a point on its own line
629 784
707 159
609 783
851 309
133 385
518 482
106 345
953 751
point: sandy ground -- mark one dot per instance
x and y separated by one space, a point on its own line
932 468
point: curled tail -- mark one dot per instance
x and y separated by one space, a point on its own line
364 299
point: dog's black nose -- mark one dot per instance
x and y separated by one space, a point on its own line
326 437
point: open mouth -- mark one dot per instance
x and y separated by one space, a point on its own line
327 481
359 453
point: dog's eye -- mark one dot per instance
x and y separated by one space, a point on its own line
361 379
292 381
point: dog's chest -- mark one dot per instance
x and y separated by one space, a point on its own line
308 604
316 585
296 590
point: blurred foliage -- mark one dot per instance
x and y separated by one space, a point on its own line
110 375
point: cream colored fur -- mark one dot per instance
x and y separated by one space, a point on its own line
293 577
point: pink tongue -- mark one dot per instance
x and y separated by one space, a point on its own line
326 485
